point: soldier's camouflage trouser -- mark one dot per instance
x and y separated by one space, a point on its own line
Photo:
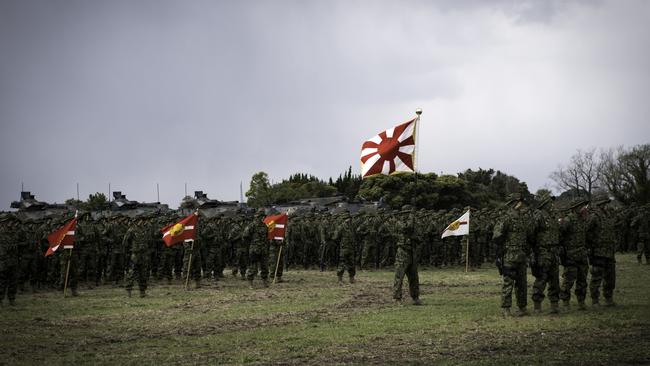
514 277
138 270
193 250
405 264
576 273
8 282
346 263
215 261
274 251
603 271
369 254
116 267
548 274
258 261
643 247
73 273
240 262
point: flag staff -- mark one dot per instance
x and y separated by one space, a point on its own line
189 266
418 111
467 247
277 265
67 273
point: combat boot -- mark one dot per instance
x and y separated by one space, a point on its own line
609 302
416 302
595 302
128 292
341 280
398 301
197 283
506 312
351 279
554 308
581 305
265 282
143 293
537 307
250 284
74 292
522 312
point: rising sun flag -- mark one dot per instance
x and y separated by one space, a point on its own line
180 231
391 151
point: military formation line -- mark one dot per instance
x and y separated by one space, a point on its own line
125 251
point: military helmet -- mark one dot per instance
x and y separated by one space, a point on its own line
407 209
577 203
513 197
600 199
545 202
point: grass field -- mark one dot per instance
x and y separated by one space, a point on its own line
310 319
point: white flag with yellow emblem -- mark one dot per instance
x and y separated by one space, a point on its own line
458 227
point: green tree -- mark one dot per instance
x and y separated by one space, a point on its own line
96 202
259 192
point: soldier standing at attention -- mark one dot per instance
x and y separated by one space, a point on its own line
545 263
642 223
511 234
137 242
345 236
602 244
574 254
9 259
258 233
406 261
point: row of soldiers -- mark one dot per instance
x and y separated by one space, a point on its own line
582 240
110 248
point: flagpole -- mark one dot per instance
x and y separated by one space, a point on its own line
277 265
189 266
467 248
417 140
67 273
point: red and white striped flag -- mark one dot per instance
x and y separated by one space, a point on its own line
391 151
181 231
62 236
277 225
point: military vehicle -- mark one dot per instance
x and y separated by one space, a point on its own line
209 207
120 205
30 208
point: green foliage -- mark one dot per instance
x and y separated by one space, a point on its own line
472 188
348 184
95 202
259 192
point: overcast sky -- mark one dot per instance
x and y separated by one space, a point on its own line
142 92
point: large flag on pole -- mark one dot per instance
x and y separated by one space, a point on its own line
62 236
391 151
181 231
458 227
277 225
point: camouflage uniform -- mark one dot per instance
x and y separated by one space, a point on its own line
642 223
574 256
137 242
86 237
602 243
192 251
9 260
545 263
240 246
406 261
369 232
344 235
116 263
512 234
258 232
